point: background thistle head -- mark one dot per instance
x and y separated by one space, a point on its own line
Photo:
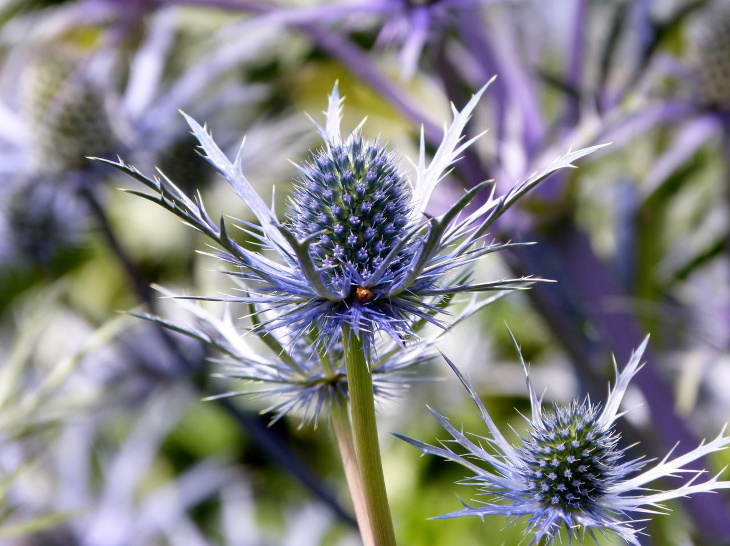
66 110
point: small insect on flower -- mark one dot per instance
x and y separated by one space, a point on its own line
569 473
356 250
364 294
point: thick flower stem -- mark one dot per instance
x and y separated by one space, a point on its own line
362 409
343 434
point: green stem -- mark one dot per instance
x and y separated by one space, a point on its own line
367 447
343 434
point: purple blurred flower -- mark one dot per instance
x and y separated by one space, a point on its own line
406 24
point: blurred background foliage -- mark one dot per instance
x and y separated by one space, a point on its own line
104 439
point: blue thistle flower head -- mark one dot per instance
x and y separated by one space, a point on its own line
356 249
355 205
569 473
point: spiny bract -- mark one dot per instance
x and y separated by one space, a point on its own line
293 376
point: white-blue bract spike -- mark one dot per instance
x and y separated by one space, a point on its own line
233 173
562 162
535 402
178 193
334 115
565 161
497 436
357 130
669 467
710 486
427 178
616 395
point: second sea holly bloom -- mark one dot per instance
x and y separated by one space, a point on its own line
356 250
568 476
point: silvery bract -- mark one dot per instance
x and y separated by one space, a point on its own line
293 376
569 472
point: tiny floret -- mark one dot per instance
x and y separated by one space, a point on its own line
569 472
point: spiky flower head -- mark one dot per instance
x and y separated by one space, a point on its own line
353 201
569 472
357 250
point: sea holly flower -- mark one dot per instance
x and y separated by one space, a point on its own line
357 249
569 471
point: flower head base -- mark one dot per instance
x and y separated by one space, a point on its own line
569 473
296 378
357 250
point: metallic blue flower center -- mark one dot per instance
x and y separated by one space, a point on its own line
354 199
570 460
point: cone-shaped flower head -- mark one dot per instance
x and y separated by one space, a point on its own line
357 248
570 458
569 472
354 203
